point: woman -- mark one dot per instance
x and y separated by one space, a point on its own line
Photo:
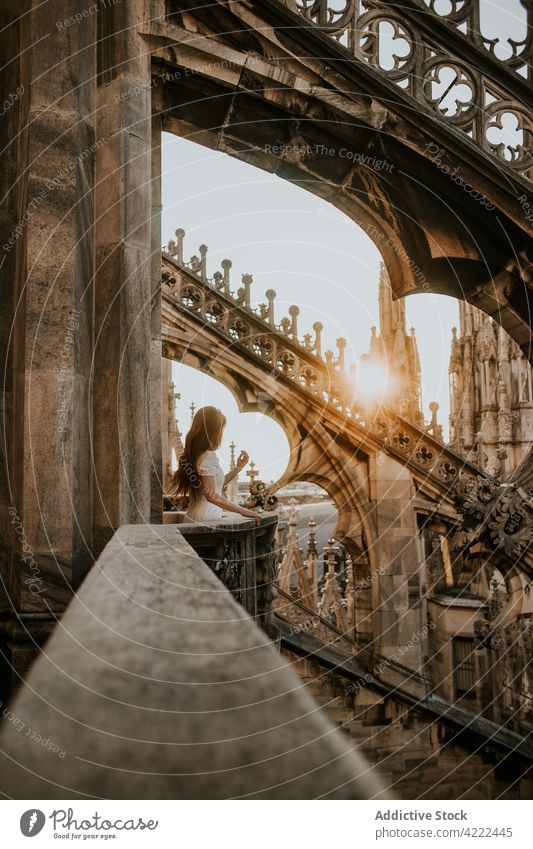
200 475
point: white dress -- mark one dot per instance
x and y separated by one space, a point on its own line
202 510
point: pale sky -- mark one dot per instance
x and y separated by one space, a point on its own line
310 253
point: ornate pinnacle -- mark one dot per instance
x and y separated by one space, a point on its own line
252 473
293 512
341 345
203 255
285 325
294 312
271 297
330 556
226 265
244 292
318 327
311 540
350 583
180 234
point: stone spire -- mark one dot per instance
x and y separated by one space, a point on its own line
350 595
292 566
311 564
489 409
233 486
332 603
170 434
396 352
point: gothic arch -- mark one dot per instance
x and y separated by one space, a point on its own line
305 122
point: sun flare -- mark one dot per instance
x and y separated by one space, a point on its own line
374 381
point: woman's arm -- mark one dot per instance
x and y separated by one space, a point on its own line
239 466
230 475
209 490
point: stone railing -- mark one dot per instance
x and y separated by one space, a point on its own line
254 333
243 556
158 685
444 62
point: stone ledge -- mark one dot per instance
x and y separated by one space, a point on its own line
156 684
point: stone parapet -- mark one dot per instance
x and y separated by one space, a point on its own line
159 685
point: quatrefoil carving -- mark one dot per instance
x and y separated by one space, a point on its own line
387 43
309 378
402 441
262 346
506 130
191 298
447 471
285 362
214 313
450 89
424 455
238 330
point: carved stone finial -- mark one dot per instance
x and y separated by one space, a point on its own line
180 235
252 473
226 265
244 292
293 513
341 345
270 295
294 312
318 327
203 261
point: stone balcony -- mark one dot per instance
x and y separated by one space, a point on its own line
243 556
156 683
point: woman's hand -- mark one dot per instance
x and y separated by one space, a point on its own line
251 514
242 459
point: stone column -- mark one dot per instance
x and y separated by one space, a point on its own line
399 612
14 97
156 349
126 395
52 348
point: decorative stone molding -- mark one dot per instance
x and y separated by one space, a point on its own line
243 557
502 514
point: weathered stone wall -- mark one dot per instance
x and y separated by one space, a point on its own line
80 309
49 258
417 757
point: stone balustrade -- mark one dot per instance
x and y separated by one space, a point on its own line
243 556
486 96
158 684
254 334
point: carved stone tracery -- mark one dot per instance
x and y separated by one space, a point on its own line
411 46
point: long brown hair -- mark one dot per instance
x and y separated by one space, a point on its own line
205 435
